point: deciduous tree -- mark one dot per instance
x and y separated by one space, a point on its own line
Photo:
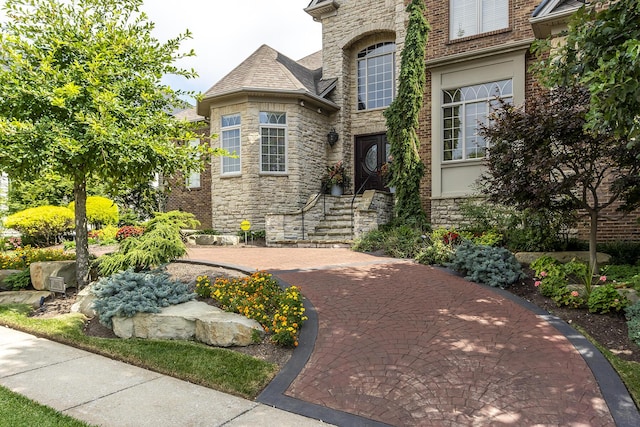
81 95
541 157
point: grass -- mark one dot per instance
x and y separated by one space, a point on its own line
628 371
18 411
220 369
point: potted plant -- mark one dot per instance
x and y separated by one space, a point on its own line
336 178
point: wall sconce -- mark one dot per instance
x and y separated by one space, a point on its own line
332 137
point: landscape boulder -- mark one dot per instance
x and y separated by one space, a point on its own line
526 258
24 297
41 271
84 302
188 321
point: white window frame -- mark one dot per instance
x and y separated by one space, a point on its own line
467 99
193 179
273 121
483 16
234 164
366 60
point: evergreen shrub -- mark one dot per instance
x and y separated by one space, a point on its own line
127 293
486 264
632 314
160 244
41 225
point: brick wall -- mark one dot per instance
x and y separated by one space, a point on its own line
194 200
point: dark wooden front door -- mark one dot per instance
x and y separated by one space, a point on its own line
372 151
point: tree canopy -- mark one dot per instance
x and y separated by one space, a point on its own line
81 95
602 53
402 118
542 157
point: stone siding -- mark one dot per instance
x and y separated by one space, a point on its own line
355 26
375 209
251 195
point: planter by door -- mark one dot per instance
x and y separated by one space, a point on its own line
336 190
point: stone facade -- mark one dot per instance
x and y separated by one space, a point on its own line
252 194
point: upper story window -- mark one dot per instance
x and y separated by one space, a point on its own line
376 76
463 109
193 178
230 140
470 17
273 142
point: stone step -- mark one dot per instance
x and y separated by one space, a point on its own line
334 223
331 233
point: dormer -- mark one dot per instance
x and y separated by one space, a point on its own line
322 8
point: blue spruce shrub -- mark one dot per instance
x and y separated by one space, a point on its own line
632 314
486 264
127 293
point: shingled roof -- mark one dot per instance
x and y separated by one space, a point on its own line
269 71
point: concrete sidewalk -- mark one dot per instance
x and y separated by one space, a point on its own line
104 392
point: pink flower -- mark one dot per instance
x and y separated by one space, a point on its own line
574 294
537 283
543 273
603 278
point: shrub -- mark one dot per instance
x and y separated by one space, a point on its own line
372 241
23 257
127 293
160 243
18 281
100 210
632 314
259 297
621 252
43 224
128 231
486 264
606 298
440 247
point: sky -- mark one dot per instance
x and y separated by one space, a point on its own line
224 33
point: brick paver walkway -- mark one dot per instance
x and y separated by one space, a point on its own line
411 345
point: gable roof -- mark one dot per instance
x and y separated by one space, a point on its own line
551 14
269 71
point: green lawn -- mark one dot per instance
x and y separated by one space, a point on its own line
220 369
18 411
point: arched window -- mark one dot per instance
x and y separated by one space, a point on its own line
376 76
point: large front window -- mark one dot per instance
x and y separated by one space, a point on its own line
376 76
470 17
273 142
230 127
463 109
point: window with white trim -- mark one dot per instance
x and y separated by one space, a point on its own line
193 178
376 76
273 142
230 141
463 109
471 17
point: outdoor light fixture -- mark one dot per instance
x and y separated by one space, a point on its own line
332 137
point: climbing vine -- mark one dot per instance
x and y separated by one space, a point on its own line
402 118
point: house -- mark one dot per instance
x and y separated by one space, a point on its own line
275 113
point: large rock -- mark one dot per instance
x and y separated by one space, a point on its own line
41 271
190 320
209 239
227 329
3 275
84 302
24 297
526 258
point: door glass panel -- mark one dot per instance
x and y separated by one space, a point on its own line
371 159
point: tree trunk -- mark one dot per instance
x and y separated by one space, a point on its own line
593 241
82 242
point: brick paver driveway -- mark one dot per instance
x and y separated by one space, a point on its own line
410 345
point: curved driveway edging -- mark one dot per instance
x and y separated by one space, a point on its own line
615 394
